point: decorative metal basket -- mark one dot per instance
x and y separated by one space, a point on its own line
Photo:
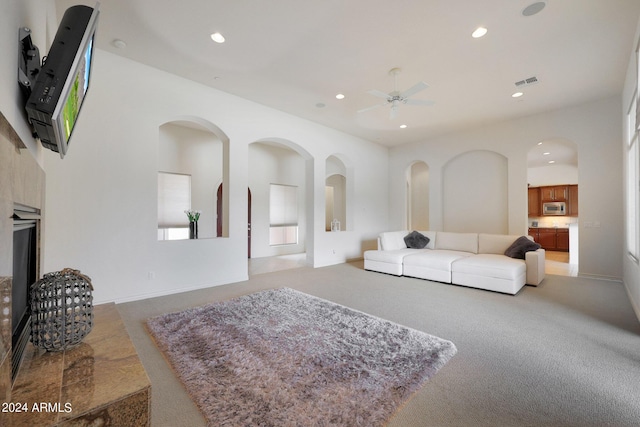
61 310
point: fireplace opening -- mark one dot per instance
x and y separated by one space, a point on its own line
25 273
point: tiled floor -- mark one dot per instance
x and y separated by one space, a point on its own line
276 263
99 382
558 263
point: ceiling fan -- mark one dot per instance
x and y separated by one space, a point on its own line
395 98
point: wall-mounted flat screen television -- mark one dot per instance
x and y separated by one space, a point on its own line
63 81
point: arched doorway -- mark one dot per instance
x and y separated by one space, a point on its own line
220 216
552 177
282 207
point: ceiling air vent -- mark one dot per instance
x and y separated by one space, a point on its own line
527 82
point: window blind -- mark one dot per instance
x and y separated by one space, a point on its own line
174 197
283 205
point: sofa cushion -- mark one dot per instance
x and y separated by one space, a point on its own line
416 240
431 235
393 240
394 257
521 246
465 242
438 259
432 265
495 243
491 265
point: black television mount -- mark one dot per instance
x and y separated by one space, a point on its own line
28 62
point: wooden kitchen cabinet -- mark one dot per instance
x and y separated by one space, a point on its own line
562 239
556 193
535 207
551 239
547 238
572 203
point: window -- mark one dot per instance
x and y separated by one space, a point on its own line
174 197
283 213
633 184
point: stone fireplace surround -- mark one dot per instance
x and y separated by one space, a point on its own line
99 382
22 181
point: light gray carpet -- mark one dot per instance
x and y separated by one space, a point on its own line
563 354
285 358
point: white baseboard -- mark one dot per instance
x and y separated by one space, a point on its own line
167 292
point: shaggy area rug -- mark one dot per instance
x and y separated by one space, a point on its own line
285 358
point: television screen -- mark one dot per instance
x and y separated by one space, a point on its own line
62 84
75 96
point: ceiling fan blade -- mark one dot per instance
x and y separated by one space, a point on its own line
414 89
419 102
379 94
371 108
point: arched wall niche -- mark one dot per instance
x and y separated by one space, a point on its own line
194 152
475 193
417 196
337 198
279 162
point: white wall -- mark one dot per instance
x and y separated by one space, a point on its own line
101 198
475 193
631 275
552 175
418 195
594 127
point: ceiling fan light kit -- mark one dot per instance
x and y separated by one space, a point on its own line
395 98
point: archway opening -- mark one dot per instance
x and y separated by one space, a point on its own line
281 220
552 180
192 158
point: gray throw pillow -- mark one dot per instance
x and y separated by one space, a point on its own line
415 240
521 246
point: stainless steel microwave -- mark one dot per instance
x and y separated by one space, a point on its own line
554 208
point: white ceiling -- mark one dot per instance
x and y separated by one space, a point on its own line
293 55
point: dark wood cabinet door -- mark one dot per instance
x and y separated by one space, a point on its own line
546 194
556 193
534 202
547 238
562 240
573 200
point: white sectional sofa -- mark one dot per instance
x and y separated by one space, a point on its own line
476 260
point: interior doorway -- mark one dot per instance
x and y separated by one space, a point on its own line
219 217
552 177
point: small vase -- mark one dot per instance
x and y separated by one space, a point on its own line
193 230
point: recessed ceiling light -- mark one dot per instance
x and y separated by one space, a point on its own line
403 126
217 37
552 161
479 32
540 143
546 153
517 95
533 8
339 96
